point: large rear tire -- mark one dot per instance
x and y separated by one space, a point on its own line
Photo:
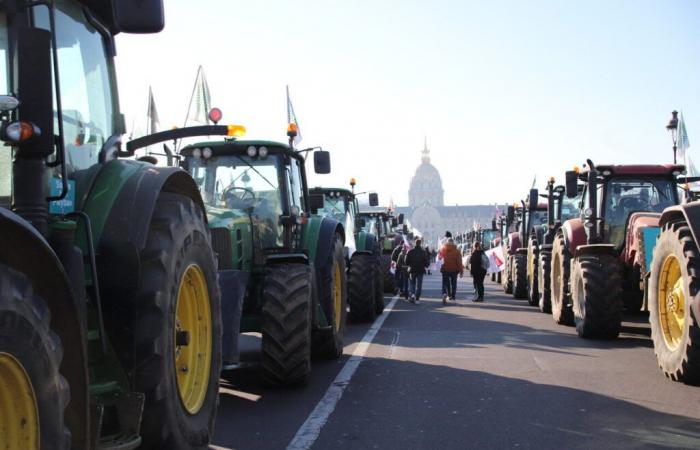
673 285
562 313
533 292
361 285
378 284
177 328
519 276
286 328
507 278
334 298
33 393
596 293
545 285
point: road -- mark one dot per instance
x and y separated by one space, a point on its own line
497 374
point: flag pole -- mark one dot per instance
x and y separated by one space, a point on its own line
189 105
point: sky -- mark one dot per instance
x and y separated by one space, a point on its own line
504 91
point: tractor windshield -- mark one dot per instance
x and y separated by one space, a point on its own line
247 187
5 156
371 224
570 208
625 196
334 206
86 91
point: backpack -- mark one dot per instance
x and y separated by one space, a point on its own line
485 262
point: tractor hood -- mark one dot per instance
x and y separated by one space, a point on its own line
643 229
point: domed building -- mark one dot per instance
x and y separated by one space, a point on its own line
426 209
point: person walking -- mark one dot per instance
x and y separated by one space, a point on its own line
402 270
417 260
427 252
397 275
478 266
451 266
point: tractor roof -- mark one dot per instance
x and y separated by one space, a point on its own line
326 190
641 169
231 146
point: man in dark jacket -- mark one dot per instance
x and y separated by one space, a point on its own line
402 271
395 258
417 260
478 267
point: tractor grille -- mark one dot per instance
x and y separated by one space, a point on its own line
221 242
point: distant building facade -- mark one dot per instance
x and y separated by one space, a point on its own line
426 208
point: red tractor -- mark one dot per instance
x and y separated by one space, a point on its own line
596 263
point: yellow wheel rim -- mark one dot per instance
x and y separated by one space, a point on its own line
337 296
671 302
19 415
193 346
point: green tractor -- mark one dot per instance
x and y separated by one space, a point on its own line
534 228
362 252
110 324
290 261
383 224
510 242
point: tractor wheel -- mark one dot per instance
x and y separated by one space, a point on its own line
361 288
519 276
286 328
33 393
533 292
559 281
334 298
389 281
596 293
545 287
378 285
177 328
673 285
507 278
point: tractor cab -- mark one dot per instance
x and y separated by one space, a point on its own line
257 183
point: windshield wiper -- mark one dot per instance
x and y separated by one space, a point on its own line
256 171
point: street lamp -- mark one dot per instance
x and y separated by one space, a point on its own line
673 128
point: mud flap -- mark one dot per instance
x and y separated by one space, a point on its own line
233 284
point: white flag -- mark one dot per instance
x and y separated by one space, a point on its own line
200 100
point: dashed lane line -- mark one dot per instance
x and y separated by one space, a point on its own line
311 428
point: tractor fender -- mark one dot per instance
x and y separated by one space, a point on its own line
574 234
121 221
318 238
594 250
514 243
25 250
366 242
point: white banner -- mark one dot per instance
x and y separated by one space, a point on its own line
496 258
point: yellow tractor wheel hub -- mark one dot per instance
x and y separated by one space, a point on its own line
671 302
193 340
19 414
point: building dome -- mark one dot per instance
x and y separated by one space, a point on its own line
426 184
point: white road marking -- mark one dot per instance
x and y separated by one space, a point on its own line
311 428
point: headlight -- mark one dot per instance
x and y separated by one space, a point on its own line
607 173
262 152
588 224
206 152
588 212
197 153
251 151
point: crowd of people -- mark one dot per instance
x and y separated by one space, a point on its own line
412 262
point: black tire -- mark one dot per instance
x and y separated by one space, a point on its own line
378 284
679 361
507 278
286 324
26 339
178 241
328 343
519 276
562 313
389 280
545 286
533 291
361 288
597 295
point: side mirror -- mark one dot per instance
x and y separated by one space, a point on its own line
571 183
400 218
322 162
139 16
510 215
360 222
394 222
315 202
373 199
533 200
405 229
493 225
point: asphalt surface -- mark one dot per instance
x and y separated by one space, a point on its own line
497 374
